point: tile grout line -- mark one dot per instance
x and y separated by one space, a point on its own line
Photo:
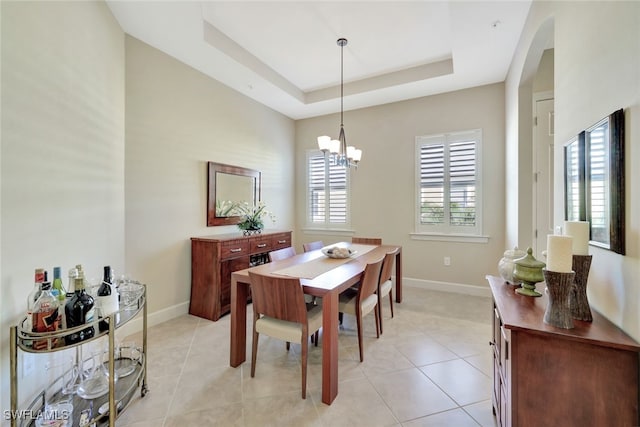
173 395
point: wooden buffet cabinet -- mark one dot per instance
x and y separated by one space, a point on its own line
548 376
214 258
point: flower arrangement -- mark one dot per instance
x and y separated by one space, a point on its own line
252 216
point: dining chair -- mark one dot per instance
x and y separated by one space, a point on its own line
362 301
279 311
312 246
285 253
385 284
281 254
367 240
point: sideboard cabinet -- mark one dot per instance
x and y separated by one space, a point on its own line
548 376
214 258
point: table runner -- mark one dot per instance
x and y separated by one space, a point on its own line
318 266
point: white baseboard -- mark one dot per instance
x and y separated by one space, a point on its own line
458 288
154 318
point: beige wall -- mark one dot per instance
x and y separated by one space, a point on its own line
177 120
383 186
597 71
62 168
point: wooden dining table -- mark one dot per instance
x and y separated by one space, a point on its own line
327 285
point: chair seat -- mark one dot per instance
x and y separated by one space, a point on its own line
385 287
289 331
347 303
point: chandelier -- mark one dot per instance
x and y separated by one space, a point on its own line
341 154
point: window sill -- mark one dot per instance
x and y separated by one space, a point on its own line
460 238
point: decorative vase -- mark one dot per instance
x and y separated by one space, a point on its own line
558 312
507 264
528 270
578 301
251 231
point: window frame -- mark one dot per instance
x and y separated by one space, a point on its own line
448 231
326 224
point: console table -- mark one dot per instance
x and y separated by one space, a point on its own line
548 376
214 258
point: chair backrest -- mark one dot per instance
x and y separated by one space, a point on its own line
369 282
312 246
387 267
281 254
367 240
278 297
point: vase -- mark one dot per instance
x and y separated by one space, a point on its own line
558 312
578 301
251 231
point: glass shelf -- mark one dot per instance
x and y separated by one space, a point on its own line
124 391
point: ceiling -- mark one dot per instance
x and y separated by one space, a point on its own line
285 56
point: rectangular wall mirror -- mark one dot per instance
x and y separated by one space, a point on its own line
594 181
228 186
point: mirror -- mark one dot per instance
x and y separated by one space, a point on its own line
227 186
594 181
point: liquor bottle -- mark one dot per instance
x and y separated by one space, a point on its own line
58 290
79 310
73 273
33 297
46 317
107 298
60 293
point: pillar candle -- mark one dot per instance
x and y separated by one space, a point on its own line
559 253
579 230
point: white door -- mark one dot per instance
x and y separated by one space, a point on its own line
543 175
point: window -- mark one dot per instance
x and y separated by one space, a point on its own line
327 192
448 181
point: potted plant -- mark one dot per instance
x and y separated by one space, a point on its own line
252 217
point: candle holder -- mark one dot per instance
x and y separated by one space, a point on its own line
559 285
578 301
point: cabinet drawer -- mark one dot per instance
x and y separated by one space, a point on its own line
234 249
282 240
261 245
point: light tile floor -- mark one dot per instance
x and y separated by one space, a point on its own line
431 367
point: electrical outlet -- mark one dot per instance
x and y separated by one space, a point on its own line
28 364
447 261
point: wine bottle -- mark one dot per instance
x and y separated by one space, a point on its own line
79 310
107 298
33 297
46 317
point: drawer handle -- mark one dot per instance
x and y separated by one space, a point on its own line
282 241
262 245
236 250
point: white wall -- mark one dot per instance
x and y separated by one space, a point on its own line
72 193
177 120
383 186
62 165
597 71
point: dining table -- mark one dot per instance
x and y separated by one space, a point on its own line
321 277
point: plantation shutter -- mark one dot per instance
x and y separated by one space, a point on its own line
448 183
327 192
599 181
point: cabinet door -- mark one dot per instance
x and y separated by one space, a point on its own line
226 268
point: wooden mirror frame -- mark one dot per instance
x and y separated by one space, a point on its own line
214 168
615 191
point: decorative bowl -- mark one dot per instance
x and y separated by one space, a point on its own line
338 253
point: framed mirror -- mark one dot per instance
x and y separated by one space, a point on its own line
594 181
228 186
